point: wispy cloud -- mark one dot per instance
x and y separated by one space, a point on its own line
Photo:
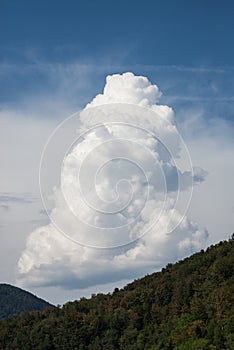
4 207
211 99
7 197
188 69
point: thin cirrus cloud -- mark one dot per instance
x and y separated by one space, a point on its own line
115 224
16 198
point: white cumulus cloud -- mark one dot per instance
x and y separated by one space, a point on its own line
117 212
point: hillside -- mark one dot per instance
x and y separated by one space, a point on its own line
187 306
14 301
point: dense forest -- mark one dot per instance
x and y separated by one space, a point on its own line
187 306
14 301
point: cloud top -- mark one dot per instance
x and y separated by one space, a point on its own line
128 88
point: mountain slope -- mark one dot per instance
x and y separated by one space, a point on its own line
186 306
14 301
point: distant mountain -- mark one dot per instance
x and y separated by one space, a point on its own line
187 306
14 301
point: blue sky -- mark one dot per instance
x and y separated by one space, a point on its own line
54 58
150 32
185 42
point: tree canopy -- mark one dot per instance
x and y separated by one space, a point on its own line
14 301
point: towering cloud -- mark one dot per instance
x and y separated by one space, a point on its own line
119 210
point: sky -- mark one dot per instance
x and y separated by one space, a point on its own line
54 60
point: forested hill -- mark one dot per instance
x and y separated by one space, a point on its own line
14 301
186 306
